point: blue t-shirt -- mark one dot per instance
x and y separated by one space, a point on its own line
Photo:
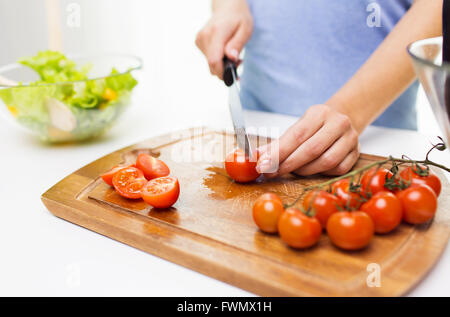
302 51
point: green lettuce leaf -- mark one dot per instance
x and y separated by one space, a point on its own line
95 103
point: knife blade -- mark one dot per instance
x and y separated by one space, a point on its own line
234 100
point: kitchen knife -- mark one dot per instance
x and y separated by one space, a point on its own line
234 100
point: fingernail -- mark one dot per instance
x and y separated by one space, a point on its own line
234 54
263 166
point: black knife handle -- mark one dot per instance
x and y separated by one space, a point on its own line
446 31
228 68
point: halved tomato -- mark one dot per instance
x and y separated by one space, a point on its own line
128 182
161 192
108 176
151 166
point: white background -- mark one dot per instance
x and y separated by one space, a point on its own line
162 32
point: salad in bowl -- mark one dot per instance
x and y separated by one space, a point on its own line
65 100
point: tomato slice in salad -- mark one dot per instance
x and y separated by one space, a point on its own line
128 182
152 167
108 176
161 192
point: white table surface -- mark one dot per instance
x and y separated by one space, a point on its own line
41 255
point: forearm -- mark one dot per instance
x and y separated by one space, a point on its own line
215 4
219 4
388 72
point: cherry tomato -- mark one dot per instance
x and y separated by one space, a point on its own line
298 230
322 203
266 212
350 230
346 197
152 167
386 211
161 192
419 203
270 196
109 94
128 182
376 178
410 174
240 168
108 176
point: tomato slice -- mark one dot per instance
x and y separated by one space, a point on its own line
152 167
161 192
108 176
128 182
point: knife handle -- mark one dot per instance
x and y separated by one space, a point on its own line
228 68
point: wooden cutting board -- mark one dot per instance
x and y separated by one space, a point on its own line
210 229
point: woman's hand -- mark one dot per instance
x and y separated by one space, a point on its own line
322 141
226 33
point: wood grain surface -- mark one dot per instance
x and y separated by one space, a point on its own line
210 229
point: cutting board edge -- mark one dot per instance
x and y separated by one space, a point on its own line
57 207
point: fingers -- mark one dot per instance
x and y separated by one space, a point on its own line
238 40
299 133
346 165
333 157
280 149
225 35
316 145
211 41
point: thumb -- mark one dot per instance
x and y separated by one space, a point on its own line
237 42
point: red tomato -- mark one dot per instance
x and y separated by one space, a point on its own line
385 209
270 196
108 176
266 212
298 230
419 203
152 167
376 178
347 198
128 182
161 192
240 168
322 203
410 174
350 230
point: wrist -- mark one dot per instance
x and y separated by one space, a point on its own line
354 113
219 5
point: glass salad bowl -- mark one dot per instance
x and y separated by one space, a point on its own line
67 100
434 76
